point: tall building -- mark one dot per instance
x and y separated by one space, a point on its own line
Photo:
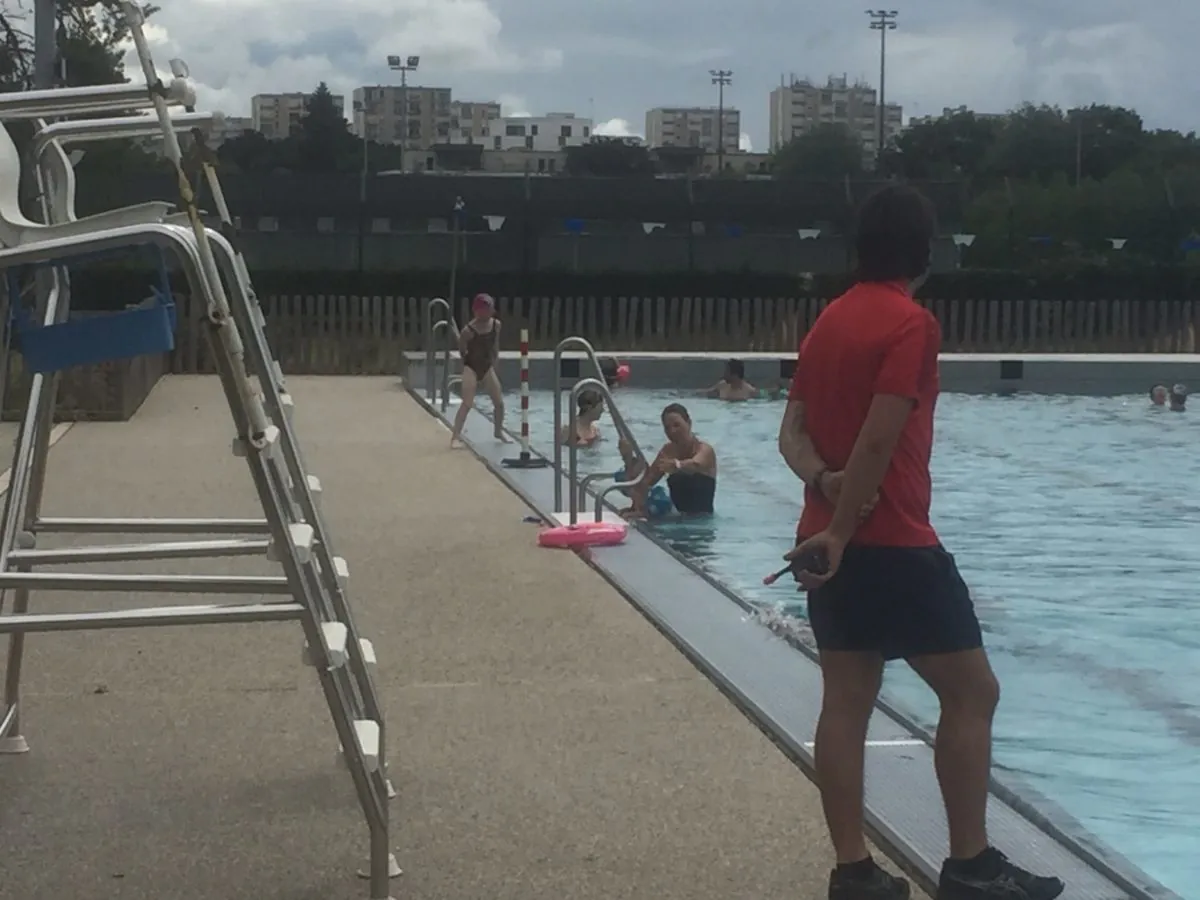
276 116
551 132
416 117
473 122
694 126
798 106
951 111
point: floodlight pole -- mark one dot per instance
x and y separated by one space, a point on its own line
883 21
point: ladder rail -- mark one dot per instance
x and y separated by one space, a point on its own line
623 429
578 487
430 349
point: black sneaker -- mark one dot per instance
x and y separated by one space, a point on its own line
995 878
873 884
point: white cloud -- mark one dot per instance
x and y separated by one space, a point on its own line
615 128
512 105
744 143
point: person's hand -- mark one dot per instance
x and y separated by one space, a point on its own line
829 545
667 465
831 486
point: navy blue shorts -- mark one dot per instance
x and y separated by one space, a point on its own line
899 602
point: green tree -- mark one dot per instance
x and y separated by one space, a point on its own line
828 151
610 157
323 140
955 146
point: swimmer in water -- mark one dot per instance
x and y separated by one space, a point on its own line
479 347
1177 401
734 387
1158 395
590 409
688 463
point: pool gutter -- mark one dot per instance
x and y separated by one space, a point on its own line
779 690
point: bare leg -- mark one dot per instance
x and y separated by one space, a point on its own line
470 382
491 384
851 684
968 692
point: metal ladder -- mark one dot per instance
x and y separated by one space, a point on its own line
314 578
579 487
433 328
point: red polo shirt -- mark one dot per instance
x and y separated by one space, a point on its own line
874 339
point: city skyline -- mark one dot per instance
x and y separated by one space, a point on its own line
590 59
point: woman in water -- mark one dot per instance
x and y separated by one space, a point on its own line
591 408
479 347
688 463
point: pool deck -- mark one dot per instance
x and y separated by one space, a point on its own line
546 740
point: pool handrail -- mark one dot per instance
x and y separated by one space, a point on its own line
451 328
430 351
577 486
618 420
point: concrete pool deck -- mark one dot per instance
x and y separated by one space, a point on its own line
545 740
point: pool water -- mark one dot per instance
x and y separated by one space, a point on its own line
1076 521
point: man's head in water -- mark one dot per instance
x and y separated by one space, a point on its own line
894 236
1178 398
1158 395
735 372
677 424
591 406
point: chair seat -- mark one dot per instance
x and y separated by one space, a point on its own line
140 214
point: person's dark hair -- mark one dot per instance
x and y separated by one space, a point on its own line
608 368
1179 395
894 235
678 409
588 399
736 368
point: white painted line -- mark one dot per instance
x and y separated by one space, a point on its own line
903 742
56 434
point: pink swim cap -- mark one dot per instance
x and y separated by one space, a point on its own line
483 302
623 372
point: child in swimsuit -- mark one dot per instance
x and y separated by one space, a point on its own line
479 347
591 408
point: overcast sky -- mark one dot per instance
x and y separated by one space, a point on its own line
614 59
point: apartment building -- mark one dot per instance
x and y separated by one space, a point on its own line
473 122
694 126
950 111
548 133
276 116
416 117
798 106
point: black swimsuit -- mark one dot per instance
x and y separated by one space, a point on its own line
481 350
692 492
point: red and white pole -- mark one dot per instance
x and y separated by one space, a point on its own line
525 394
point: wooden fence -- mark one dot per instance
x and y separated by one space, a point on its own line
340 335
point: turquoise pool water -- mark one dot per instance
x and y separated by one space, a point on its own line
1076 521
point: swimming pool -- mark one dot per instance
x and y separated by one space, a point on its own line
1075 521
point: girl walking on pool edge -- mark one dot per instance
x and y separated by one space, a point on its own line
479 347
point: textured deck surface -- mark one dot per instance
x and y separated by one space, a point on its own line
546 741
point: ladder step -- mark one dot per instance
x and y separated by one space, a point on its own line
288 405
314 488
367 732
368 651
278 372
270 443
341 571
259 319
336 637
302 536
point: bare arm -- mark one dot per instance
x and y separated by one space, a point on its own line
705 460
870 458
714 391
796 446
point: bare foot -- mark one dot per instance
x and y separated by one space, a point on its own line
503 438
456 443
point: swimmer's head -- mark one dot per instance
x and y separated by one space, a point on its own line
483 306
1178 397
677 424
610 369
1158 395
735 371
591 405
